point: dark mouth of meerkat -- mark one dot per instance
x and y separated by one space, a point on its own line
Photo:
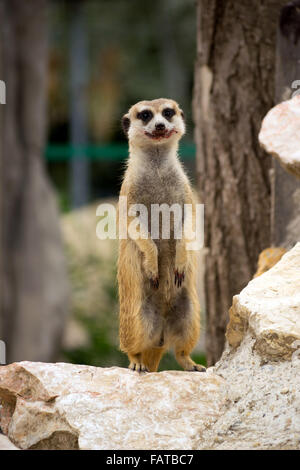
158 135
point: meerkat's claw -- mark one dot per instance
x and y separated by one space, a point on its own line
154 282
138 367
199 368
179 278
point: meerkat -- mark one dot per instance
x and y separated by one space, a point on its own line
159 306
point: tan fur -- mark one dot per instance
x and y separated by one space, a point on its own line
153 320
268 258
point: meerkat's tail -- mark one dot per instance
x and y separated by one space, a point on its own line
151 358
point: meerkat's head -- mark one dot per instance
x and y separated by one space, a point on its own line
155 122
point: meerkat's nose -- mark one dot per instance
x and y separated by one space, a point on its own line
160 126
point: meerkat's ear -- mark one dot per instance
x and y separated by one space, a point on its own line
125 124
182 113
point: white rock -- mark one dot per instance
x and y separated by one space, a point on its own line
280 134
72 406
258 414
270 305
249 400
6 444
64 406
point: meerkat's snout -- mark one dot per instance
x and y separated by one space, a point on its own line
154 121
160 131
160 127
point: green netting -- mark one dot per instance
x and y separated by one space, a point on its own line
62 152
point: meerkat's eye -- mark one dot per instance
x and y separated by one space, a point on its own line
145 115
168 113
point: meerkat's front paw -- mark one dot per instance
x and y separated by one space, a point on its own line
154 282
139 367
179 277
180 263
151 270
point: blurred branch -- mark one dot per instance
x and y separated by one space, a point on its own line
34 297
78 105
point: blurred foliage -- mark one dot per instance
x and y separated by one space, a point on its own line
101 349
137 50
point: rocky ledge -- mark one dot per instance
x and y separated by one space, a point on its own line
280 134
249 400
73 406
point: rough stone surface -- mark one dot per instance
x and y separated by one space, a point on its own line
72 406
249 400
270 306
263 402
6 444
280 134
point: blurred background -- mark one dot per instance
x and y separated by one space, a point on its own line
92 60
71 70
104 57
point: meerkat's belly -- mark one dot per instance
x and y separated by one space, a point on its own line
166 192
158 309
164 201
165 320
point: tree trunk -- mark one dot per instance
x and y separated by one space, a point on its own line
34 287
285 221
234 89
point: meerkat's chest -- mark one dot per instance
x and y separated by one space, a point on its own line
155 187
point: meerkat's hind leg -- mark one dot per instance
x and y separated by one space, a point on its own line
136 363
151 358
184 360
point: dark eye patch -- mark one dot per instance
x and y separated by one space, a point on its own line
168 113
145 115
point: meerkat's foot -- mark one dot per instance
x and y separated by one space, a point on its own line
139 367
188 364
136 363
179 277
198 368
193 367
